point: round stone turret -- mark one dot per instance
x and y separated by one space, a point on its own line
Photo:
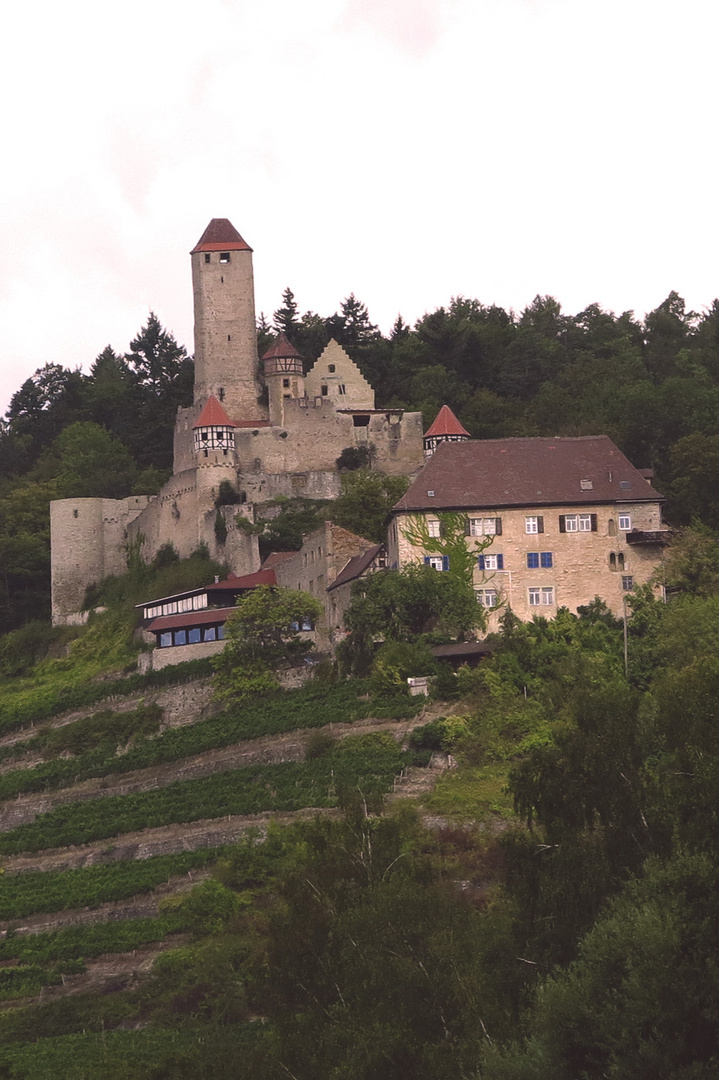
284 376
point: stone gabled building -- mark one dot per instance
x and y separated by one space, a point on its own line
556 522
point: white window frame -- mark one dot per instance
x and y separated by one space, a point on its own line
531 525
491 562
541 595
435 561
571 523
487 597
482 526
625 522
433 528
584 522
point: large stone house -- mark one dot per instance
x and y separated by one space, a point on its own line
555 522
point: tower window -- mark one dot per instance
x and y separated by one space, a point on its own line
229 337
286 383
331 367
324 391
207 256
224 256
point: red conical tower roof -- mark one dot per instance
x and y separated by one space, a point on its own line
221 235
446 423
282 348
213 415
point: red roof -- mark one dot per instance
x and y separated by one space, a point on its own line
220 235
247 581
207 617
213 415
281 349
446 423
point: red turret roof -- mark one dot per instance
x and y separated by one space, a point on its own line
281 349
220 235
213 415
446 423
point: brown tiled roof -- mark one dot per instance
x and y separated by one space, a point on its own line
281 349
355 567
220 235
191 618
251 423
213 415
493 473
445 423
247 581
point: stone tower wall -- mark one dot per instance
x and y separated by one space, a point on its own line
87 539
226 361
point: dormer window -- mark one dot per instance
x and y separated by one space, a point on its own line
224 256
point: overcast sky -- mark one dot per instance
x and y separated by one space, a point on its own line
406 150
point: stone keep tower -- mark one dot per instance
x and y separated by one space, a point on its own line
226 361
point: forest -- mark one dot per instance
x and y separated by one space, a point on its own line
515 880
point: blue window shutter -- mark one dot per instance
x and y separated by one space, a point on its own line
532 560
546 560
445 562
500 562
480 560
426 560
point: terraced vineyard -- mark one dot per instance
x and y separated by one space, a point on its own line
112 822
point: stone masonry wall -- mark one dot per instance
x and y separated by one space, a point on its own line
581 567
87 544
346 386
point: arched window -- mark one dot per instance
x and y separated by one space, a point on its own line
612 527
612 561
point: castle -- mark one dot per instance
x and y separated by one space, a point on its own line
264 427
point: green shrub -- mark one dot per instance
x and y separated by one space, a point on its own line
227 496
318 744
220 528
395 662
166 555
429 736
21 649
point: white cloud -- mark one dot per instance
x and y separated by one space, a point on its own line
404 151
